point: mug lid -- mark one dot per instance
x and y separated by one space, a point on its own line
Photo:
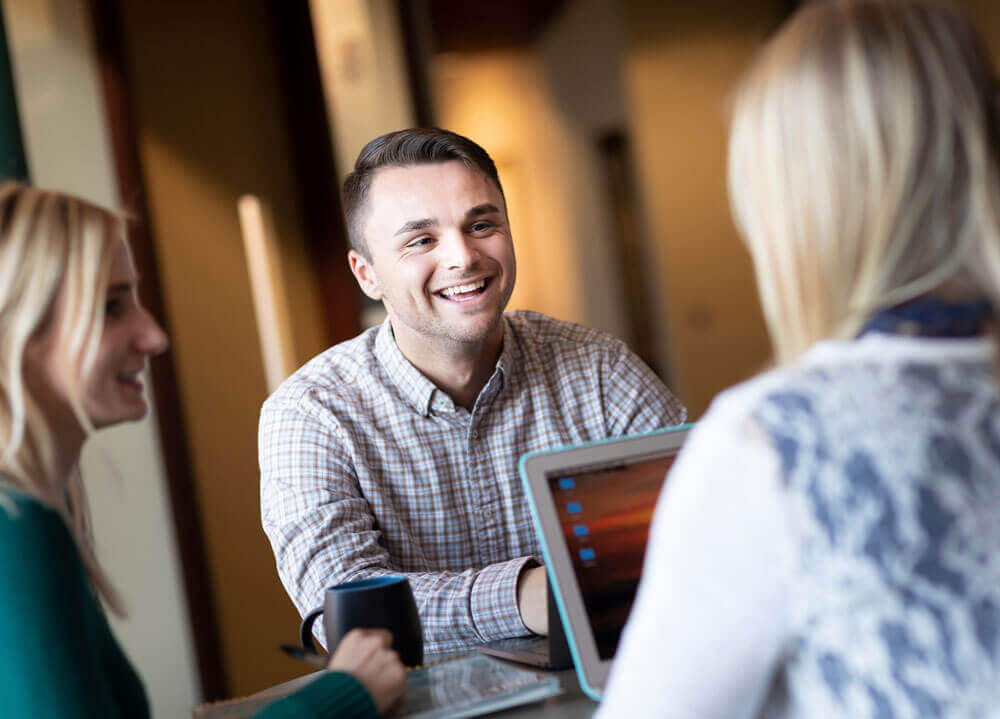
370 583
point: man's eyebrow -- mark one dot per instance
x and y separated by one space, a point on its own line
479 210
413 225
120 287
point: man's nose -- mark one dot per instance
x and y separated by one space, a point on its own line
460 251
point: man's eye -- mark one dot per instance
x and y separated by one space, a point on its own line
420 242
482 227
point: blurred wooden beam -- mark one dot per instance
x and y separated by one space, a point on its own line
106 18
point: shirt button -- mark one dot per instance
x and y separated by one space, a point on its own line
474 434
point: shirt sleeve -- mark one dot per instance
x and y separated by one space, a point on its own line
52 633
335 695
635 399
709 622
323 533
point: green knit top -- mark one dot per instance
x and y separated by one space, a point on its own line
58 657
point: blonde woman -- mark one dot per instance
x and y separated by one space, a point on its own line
73 343
828 544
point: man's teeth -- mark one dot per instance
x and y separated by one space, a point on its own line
462 289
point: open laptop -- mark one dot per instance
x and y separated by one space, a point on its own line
592 505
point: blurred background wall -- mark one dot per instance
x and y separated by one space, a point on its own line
681 63
607 121
608 126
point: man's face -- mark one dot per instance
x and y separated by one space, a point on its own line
442 258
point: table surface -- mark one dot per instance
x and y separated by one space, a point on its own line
571 704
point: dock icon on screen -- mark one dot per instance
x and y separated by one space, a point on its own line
587 554
574 507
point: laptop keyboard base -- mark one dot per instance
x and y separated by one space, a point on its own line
526 650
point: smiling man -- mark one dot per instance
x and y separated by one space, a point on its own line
396 452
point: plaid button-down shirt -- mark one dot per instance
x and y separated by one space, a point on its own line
368 469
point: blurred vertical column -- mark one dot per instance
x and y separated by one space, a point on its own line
12 161
366 83
267 284
364 73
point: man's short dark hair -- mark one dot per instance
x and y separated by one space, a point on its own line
415 146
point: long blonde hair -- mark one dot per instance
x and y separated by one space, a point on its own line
863 165
51 245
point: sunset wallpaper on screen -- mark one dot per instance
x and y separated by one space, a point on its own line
605 518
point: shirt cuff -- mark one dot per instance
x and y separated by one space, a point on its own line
495 613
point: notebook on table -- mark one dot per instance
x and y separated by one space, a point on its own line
592 505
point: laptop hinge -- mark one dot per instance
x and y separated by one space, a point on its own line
559 654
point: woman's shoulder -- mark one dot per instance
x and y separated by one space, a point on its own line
830 358
38 557
28 527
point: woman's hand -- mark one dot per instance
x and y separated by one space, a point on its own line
366 655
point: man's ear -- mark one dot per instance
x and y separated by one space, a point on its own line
364 273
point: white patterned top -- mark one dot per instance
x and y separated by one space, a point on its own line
828 544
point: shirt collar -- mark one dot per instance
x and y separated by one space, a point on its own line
508 355
416 389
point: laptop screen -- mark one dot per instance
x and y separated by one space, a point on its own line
605 514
